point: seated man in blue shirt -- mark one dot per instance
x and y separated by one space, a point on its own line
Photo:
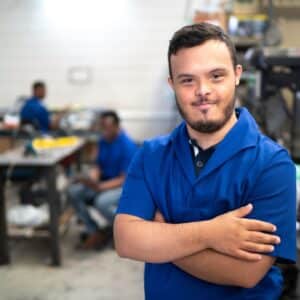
103 187
211 207
36 113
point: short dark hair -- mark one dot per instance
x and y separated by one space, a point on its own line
110 114
38 84
197 34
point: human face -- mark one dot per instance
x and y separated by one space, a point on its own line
40 92
204 82
109 128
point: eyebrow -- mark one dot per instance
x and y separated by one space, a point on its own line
218 70
184 75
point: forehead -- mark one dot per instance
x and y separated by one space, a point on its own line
107 121
208 56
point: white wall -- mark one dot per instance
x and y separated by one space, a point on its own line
123 43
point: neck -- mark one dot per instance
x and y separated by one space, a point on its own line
113 137
207 140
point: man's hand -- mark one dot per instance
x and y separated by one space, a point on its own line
91 180
159 217
234 235
94 174
88 182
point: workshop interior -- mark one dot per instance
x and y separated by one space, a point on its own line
90 61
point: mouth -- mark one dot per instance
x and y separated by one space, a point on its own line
203 106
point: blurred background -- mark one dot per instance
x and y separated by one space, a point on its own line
95 56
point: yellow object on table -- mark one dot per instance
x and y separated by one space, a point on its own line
49 143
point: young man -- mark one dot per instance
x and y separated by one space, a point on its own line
104 186
211 206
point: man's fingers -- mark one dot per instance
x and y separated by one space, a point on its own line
159 217
255 225
263 238
242 211
242 254
258 248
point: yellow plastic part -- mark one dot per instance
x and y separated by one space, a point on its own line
49 143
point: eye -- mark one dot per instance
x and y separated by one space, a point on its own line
187 80
217 77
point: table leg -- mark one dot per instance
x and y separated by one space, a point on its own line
79 156
54 206
4 254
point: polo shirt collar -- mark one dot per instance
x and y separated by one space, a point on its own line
197 149
242 135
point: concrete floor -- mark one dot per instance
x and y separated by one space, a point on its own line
97 275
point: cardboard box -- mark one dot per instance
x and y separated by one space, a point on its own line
217 18
246 6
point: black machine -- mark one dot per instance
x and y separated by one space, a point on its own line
279 69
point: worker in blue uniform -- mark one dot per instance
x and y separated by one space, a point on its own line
103 186
211 207
36 113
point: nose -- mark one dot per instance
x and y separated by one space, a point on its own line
203 89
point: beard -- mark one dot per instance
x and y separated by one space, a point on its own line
207 126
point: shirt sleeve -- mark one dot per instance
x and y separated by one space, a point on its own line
136 197
274 201
44 119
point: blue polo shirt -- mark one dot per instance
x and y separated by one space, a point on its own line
35 112
246 167
115 156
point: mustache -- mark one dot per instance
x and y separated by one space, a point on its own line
203 101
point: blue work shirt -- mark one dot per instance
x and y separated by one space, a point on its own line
246 167
115 156
36 113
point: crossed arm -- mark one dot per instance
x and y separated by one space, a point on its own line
218 268
199 248
222 269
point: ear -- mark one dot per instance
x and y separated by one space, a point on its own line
238 74
171 83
